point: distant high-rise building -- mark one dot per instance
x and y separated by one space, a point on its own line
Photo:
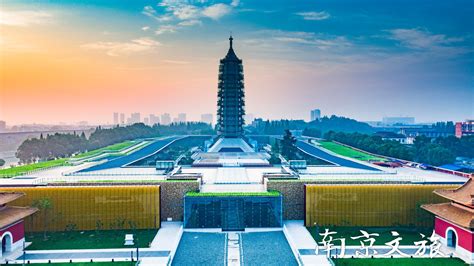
3 126
249 119
207 118
181 118
165 119
231 97
315 114
146 121
116 118
398 120
461 129
134 118
154 119
122 119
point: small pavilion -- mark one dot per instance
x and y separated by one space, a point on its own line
12 232
454 221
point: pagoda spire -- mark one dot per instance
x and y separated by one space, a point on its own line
230 40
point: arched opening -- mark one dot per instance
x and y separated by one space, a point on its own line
6 243
451 238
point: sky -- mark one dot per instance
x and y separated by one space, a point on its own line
70 61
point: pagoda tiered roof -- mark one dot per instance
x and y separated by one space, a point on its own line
6 197
12 214
460 210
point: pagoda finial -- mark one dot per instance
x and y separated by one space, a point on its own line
230 40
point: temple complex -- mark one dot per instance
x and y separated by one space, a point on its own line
454 221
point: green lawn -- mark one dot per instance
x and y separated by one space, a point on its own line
409 235
348 152
111 148
24 169
400 262
89 239
118 263
271 193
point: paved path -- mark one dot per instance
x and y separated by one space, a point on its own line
134 156
303 244
160 252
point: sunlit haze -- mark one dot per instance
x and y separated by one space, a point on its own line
70 61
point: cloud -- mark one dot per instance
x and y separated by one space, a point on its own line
216 11
235 3
421 39
322 42
188 23
184 13
165 29
314 15
123 48
176 62
145 28
24 18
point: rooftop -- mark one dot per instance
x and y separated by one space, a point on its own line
453 212
10 215
6 197
462 195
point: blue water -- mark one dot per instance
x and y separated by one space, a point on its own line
121 161
266 248
331 158
200 249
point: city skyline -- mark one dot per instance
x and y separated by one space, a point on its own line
410 61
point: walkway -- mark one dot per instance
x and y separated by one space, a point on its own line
160 252
134 156
303 244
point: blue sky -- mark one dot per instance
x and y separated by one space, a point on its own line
362 59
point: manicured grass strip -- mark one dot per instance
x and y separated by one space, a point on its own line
25 169
409 235
348 152
111 148
271 193
401 262
118 263
89 239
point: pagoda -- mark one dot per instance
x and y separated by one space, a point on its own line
454 221
12 232
230 102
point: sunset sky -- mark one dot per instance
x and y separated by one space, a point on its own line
68 61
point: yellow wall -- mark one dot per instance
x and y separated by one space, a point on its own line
369 205
84 206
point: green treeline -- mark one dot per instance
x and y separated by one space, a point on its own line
314 129
432 151
65 145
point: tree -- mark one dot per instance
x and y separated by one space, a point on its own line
44 205
2 162
288 145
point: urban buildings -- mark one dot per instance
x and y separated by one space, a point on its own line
122 118
116 118
398 120
3 126
207 118
154 119
231 97
315 114
464 128
181 118
165 119
134 118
